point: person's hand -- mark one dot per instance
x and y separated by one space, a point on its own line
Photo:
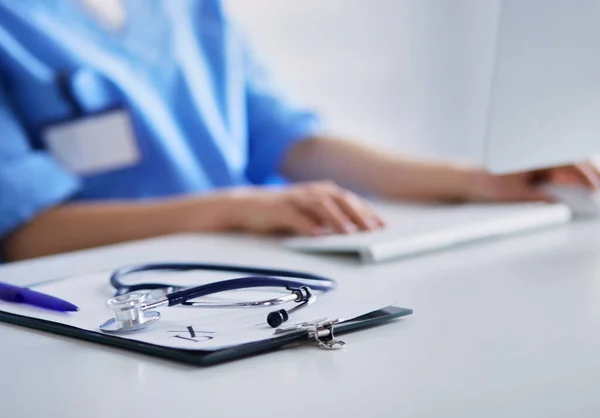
306 209
526 186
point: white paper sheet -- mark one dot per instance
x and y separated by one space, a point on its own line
184 327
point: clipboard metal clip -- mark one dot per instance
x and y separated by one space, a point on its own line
321 330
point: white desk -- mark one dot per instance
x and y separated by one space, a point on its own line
509 328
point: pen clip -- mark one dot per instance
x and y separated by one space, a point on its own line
321 330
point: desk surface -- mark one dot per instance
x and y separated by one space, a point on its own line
507 328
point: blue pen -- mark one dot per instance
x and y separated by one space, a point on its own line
16 294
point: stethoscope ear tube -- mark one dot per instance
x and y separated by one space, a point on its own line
304 297
182 296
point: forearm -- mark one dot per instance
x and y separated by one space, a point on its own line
77 226
367 170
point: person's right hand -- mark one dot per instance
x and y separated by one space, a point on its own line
306 209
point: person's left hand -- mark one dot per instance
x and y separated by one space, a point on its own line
526 186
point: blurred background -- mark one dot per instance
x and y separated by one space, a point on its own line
409 75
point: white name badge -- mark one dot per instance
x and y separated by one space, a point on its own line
94 144
111 13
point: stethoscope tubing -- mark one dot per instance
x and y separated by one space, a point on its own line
182 296
258 279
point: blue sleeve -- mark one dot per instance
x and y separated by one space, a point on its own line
274 122
30 181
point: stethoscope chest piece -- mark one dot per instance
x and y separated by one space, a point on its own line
130 314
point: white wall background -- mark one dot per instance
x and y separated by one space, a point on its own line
405 74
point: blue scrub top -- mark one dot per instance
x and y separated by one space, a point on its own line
205 112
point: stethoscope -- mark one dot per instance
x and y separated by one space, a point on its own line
133 310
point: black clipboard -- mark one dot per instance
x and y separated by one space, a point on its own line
211 357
